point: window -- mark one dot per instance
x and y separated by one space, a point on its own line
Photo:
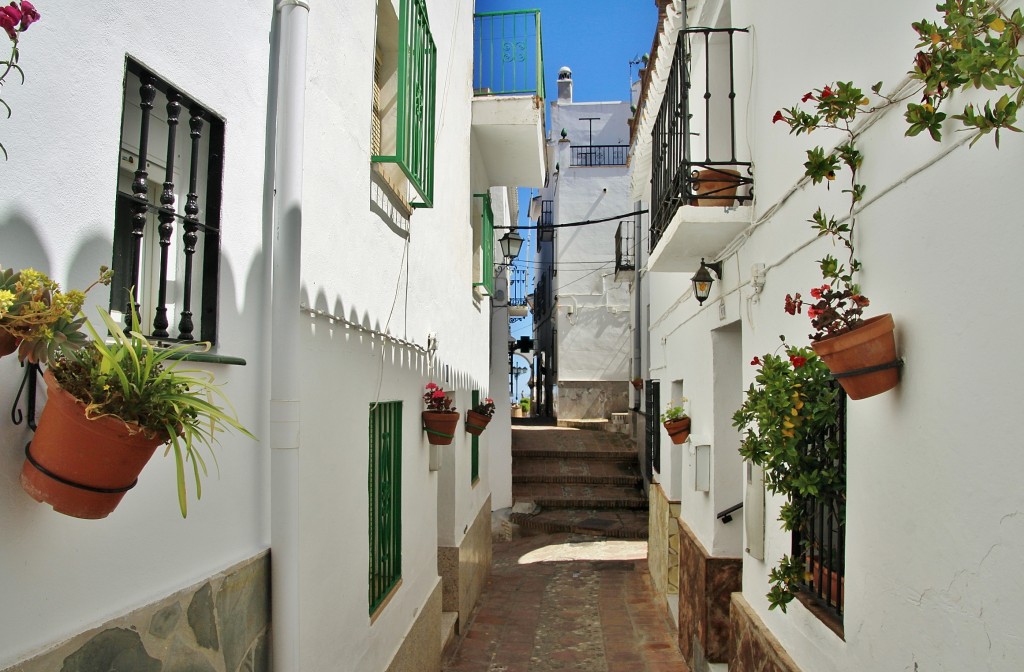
384 488
405 70
483 247
167 214
652 416
820 538
474 462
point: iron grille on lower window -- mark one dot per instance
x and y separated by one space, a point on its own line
167 233
821 538
652 401
384 488
474 460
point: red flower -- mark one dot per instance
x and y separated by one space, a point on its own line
797 361
431 386
756 361
778 116
813 312
860 300
827 92
8 23
793 304
438 395
816 292
807 96
29 15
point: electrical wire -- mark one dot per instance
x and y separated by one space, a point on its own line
582 223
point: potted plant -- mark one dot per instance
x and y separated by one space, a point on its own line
109 406
676 421
36 317
638 383
524 406
785 412
440 419
479 416
716 185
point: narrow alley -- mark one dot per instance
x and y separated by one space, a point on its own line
569 586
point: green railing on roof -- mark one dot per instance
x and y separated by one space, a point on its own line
508 53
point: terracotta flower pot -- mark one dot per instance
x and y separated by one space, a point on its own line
83 467
440 426
863 360
476 423
8 343
678 430
719 183
827 583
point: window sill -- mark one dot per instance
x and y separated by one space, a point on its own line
208 358
823 613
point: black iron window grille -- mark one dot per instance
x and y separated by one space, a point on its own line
598 155
652 426
625 259
694 146
540 298
820 539
167 236
547 222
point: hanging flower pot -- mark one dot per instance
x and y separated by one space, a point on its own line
8 343
717 184
476 423
440 426
678 430
863 360
83 467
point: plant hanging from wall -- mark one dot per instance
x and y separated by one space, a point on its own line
15 20
440 419
974 45
786 417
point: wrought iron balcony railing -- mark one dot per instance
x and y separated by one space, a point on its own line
625 251
599 155
547 222
508 54
694 148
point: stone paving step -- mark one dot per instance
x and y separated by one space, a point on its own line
618 524
579 495
575 470
539 442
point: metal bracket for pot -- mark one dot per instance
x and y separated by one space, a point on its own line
28 388
894 364
60 479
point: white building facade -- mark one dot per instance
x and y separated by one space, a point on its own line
349 186
931 532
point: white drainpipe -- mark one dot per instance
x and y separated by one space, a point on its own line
285 381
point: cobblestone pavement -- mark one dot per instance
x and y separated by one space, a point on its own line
568 603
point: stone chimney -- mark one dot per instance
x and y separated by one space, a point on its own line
564 85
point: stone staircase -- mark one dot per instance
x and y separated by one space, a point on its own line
570 479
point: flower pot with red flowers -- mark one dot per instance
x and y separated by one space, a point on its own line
440 420
478 417
861 354
110 405
676 421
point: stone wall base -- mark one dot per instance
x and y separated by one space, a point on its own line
219 625
591 398
663 542
756 649
421 648
464 569
705 584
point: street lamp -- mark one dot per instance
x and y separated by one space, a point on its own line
511 243
702 280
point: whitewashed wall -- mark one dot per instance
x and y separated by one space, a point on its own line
934 526
412 277
60 575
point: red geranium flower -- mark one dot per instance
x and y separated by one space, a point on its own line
793 304
813 312
431 386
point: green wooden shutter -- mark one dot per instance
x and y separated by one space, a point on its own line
384 485
486 246
474 470
417 75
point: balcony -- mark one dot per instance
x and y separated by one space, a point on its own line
546 223
625 252
598 155
517 304
701 186
508 97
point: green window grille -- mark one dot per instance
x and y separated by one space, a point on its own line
486 246
474 469
417 75
384 486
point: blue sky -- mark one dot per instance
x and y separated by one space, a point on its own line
597 39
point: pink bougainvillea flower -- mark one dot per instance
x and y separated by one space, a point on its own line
797 361
29 15
756 361
778 116
807 96
827 92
